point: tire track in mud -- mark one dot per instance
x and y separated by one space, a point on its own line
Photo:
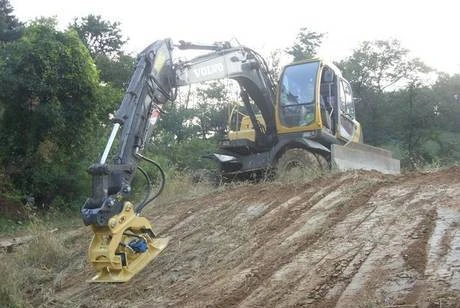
415 256
271 226
337 215
261 265
364 264
349 239
274 227
257 249
405 240
336 277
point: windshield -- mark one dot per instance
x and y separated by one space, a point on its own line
297 94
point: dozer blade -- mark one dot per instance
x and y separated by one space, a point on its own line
124 247
361 156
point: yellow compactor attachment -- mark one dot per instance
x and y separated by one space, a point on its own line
124 247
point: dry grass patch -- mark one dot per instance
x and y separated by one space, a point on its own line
183 187
28 272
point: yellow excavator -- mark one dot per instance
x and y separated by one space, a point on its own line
306 120
315 124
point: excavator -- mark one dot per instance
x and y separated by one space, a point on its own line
306 120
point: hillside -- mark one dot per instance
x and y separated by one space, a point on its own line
355 239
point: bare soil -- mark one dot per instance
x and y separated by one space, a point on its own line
355 239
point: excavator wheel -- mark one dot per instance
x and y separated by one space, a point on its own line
297 163
323 163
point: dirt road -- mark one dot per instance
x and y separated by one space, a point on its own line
356 239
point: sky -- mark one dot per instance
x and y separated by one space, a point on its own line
428 28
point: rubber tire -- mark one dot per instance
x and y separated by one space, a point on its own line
323 162
298 158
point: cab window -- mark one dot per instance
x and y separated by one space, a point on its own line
346 99
297 94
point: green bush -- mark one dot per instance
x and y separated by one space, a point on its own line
53 106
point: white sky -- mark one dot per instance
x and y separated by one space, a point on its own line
429 28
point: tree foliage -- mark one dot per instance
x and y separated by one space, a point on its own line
177 124
190 128
178 138
101 37
212 109
49 87
104 40
10 27
306 45
376 67
116 71
379 65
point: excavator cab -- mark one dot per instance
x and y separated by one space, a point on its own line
313 96
315 112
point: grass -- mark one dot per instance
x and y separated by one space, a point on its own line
11 226
32 266
183 187
31 272
58 219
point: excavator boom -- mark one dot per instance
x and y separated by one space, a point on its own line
124 242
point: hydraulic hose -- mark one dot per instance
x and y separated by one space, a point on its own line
147 200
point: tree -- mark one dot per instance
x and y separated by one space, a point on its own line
101 37
373 68
442 143
447 102
104 41
306 45
117 71
411 121
177 139
212 109
176 125
49 89
10 27
379 65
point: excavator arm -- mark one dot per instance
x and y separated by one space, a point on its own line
155 82
123 241
150 87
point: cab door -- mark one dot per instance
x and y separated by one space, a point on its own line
346 121
297 103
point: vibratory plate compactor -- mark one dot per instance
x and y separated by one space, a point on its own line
123 242
123 247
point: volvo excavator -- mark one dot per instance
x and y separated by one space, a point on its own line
306 120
